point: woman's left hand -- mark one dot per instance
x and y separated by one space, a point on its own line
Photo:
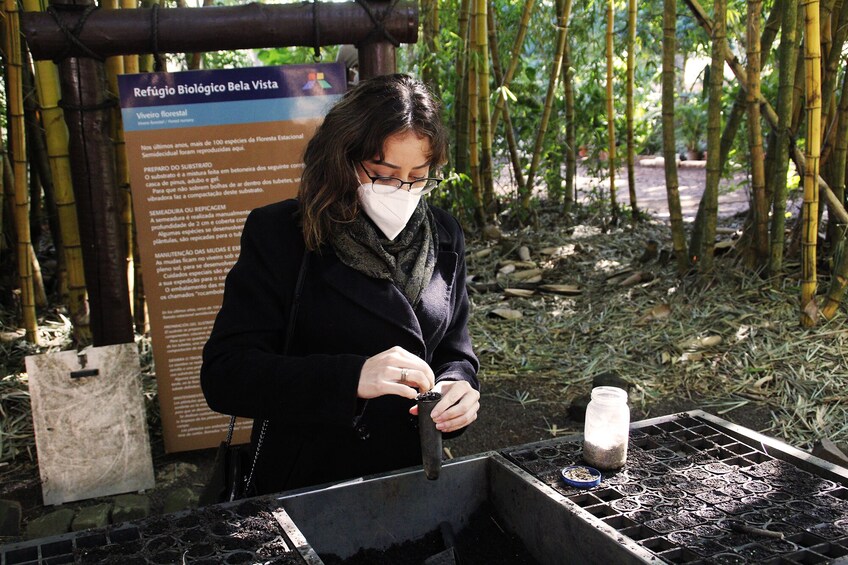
457 408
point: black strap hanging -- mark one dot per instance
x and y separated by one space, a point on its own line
316 33
158 59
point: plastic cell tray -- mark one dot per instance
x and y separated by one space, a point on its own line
698 489
251 531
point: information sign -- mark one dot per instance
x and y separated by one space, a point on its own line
205 148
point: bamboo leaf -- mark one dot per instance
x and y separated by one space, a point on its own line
506 314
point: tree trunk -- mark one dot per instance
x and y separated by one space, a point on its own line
669 47
515 57
710 198
809 210
611 109
755 135
787 55
562 34
17 143
631 147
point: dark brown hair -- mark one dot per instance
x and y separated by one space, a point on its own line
354 130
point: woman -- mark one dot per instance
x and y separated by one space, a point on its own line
382 310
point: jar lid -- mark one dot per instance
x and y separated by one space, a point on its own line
611 393
581 476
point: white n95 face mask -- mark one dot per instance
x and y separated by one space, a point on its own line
388 207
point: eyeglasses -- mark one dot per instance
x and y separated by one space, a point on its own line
387 185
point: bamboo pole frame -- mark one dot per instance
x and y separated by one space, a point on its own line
188 30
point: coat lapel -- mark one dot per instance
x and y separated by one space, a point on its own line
384 300
380 297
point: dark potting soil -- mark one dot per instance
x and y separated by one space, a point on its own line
246 533
482 542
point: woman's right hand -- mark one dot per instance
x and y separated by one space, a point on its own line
394 371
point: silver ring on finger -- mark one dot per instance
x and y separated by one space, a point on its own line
404 373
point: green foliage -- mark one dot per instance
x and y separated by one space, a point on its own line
455 195
690 117
226 59
295 55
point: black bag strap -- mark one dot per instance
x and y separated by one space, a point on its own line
289 333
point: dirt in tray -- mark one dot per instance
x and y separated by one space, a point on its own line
484 541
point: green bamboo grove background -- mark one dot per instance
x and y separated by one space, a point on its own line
530 89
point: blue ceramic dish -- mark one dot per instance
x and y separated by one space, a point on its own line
581 476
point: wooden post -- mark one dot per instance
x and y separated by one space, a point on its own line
92 157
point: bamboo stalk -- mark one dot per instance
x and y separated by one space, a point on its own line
17 143
835 206
788 52
496 68
463 65
562 35
611 109
734 118
669 47
473 117
41 187
570 130
52 116
484 113
515 57
755 135
429 31
631 67
839 281
809 210
831 74
719 38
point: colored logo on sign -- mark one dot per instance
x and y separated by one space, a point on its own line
316 81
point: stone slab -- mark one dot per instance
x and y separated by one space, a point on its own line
52 524
10 518
130 507
89 517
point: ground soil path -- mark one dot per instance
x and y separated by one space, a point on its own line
651 193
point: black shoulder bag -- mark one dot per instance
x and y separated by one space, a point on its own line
234 467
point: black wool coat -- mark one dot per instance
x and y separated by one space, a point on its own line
318 430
